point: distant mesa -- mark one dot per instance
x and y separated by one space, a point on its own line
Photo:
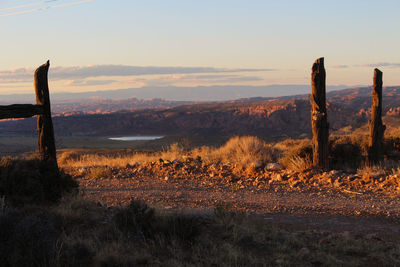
135 138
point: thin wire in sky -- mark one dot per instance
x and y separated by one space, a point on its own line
27 5
19 10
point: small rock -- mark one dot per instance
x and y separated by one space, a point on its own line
257 164
277 178
337 183
166 178
351 177
273 167
295 184
334 172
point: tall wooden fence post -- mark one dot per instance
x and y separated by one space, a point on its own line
319 120
376 127
47 147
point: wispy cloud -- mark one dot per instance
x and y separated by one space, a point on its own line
39 6
381 64
194 79
370 65
89 82
84 72
341 66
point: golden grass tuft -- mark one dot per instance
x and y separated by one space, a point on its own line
244 151
99 172
297 154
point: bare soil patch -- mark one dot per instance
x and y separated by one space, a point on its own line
335 201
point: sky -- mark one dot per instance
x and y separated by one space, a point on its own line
116 44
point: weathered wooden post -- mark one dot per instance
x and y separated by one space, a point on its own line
376 127
319 120
47 147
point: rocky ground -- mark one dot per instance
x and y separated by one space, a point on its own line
368 205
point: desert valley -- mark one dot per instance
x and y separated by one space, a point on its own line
199 133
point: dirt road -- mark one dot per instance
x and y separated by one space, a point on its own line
375 216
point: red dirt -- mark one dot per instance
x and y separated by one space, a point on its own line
374 215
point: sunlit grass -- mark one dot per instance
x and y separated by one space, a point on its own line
243 151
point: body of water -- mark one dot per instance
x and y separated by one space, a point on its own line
135 138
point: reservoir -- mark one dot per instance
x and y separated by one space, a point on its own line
136 138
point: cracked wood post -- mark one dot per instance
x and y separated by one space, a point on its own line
47 147
319 120
376 127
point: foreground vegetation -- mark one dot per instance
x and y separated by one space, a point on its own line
78 232
45 221
347 152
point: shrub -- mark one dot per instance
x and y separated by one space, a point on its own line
298 155
78 211
33 181
245 151
99 172
8 219
372 170
347 151
173 152
3 205
182 227
69 156
137 219
392 143
297 163
29 240
225 215
76 253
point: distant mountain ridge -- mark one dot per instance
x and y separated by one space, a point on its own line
172 93
103 102
104 106
270 118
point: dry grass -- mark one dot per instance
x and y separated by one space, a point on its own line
244 151
372 171
347 152
2 205
32 180
299 164
78 232
385 168
99 172
297 154
76 158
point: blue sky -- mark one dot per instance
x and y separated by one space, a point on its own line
270 42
